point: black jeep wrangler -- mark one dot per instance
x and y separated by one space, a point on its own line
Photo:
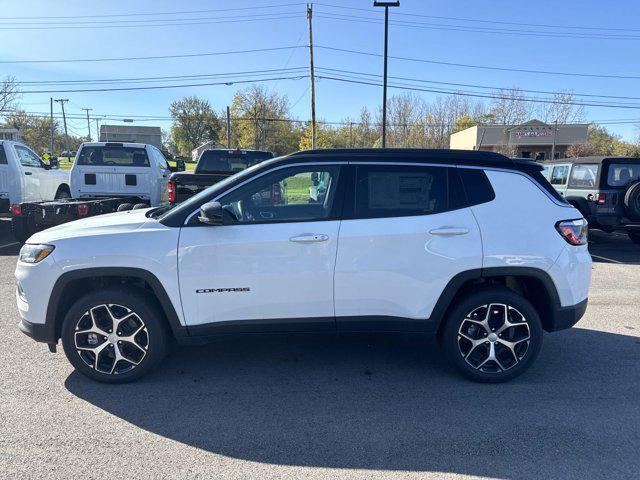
606 190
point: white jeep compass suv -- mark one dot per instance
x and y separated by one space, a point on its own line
471 246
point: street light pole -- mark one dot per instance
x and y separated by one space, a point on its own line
386 6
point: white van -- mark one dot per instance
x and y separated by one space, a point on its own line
113 169
24 177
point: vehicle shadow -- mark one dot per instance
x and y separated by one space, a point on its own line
391 403
613 247
8 244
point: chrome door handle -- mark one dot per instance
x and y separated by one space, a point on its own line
310 238
27 173
449 231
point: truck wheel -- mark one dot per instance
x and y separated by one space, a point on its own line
114 336
632 201
63 193
493 335
139 206
123 207
20 229
634 236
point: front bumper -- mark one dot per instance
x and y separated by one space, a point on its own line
566 317
40 332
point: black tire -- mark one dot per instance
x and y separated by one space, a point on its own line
148 346
139 206
21 229
634 236
511 361
123 207
632 201
63 193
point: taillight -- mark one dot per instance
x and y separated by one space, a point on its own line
573 231
83 209
15 209
171 189
601 198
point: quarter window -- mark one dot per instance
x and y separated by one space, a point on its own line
3 156
393 191
559 175
583 176
27 157
290 194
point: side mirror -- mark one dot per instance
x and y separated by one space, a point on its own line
180 166
54 163
211 213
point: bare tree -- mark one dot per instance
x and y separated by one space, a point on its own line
8 94
563 109
511 107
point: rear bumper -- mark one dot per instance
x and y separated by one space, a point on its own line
566 317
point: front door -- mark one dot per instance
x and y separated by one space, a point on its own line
33 172
270 266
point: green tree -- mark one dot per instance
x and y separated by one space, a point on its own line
194 123
36 131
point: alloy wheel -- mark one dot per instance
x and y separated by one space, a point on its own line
111 339
494 338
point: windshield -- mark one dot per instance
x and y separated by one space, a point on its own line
212 161
113 156
620 174
191 202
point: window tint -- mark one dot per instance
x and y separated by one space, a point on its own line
27 157
290 194
212 161
393 191
477 186
559 174
583 176
3 156
620 174
113 156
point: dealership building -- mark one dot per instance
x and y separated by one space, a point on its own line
533 139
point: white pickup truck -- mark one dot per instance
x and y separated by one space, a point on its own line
24 177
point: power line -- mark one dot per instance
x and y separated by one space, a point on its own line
139 14
154 57
483 67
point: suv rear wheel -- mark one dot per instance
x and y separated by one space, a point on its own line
114 336
493 335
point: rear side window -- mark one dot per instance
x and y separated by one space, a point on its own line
620 174
559 174
583 176
113 157
395 191
476 186
3 156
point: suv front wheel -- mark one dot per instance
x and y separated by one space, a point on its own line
492 335
114 336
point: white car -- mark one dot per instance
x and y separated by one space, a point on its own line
471 246
109 169
24 177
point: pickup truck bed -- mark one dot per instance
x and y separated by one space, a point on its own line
185 184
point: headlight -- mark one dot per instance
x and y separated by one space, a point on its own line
35 253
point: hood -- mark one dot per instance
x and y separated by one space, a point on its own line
110 223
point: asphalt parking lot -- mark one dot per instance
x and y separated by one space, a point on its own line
353 407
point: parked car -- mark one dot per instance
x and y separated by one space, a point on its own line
606 190
105 177
470 246
213 166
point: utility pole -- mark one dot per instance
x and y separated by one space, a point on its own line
386 6
52 131
312 77
88 123
228 127
97 129
555 135
64 120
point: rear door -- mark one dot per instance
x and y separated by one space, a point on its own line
5 178
113 169
407 235
32 172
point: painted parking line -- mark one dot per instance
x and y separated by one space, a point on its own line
606 259
9 245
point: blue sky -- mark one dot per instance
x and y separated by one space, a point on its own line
287 26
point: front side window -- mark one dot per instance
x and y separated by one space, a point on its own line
583 176
113 156
559 175
27 157
289 194
393 191
620 174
